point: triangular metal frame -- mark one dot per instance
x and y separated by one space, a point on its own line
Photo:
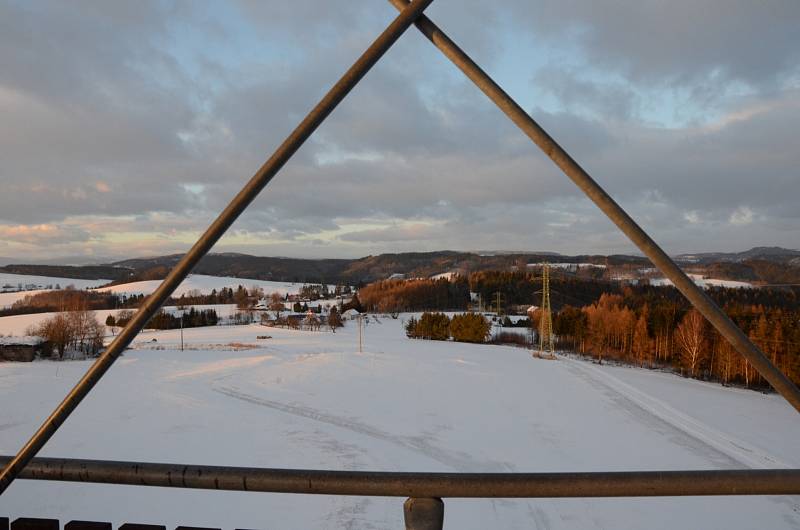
687 482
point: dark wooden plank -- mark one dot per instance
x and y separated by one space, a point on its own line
3 523
30 523
87 525
137 526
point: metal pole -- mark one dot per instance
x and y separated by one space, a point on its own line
419 485
262 177
613 211
423 514
360 333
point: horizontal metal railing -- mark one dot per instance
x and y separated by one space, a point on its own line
401 484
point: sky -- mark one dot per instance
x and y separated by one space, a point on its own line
126 127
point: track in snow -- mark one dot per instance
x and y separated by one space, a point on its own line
723 443
419 444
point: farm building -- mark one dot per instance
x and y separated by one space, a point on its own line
23 349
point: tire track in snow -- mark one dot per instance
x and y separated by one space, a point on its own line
419 444
727 444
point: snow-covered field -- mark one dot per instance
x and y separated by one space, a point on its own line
205 284
36 284
308 400
41 282
705 282
18 324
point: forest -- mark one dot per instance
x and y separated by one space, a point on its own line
666 333
646 325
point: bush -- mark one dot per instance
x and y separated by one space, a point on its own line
470 327
411 328
431 326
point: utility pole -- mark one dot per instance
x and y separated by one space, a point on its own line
360 333
181 330
546 320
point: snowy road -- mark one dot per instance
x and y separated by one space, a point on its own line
306 400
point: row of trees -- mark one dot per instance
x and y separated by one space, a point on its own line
162 320
70 299
667 333
468 327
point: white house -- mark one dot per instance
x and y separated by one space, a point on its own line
351 314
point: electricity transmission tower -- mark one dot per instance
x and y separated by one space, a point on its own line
546 320
498 296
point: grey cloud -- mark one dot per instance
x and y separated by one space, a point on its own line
104 115
680 42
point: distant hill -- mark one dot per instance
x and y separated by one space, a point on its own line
761 265
775 254
78 272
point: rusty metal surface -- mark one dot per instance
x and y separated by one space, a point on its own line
425 485
423 513
239 203
613 211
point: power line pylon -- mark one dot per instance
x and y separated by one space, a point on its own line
546 320
498 302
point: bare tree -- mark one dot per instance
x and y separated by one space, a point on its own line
57 331
641 341
73 330
690 335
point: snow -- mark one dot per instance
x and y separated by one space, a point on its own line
40 282
568 266
444 276
706 282
306 399
20 341
205 284
37 284
18 325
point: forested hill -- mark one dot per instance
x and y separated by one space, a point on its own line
763 265
361 270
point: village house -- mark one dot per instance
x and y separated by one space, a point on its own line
23 349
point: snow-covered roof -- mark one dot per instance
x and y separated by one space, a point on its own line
21 341
351 312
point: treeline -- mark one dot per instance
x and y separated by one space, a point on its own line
70 300
468 327
389 296
653 332
76 299
162 320
524 288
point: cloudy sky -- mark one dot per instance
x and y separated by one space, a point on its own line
126 127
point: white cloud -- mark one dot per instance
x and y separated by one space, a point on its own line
741 216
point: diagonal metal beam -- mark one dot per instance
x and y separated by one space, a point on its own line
613 211
239 203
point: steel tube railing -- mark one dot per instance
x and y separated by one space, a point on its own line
613 211
428 485
239 203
